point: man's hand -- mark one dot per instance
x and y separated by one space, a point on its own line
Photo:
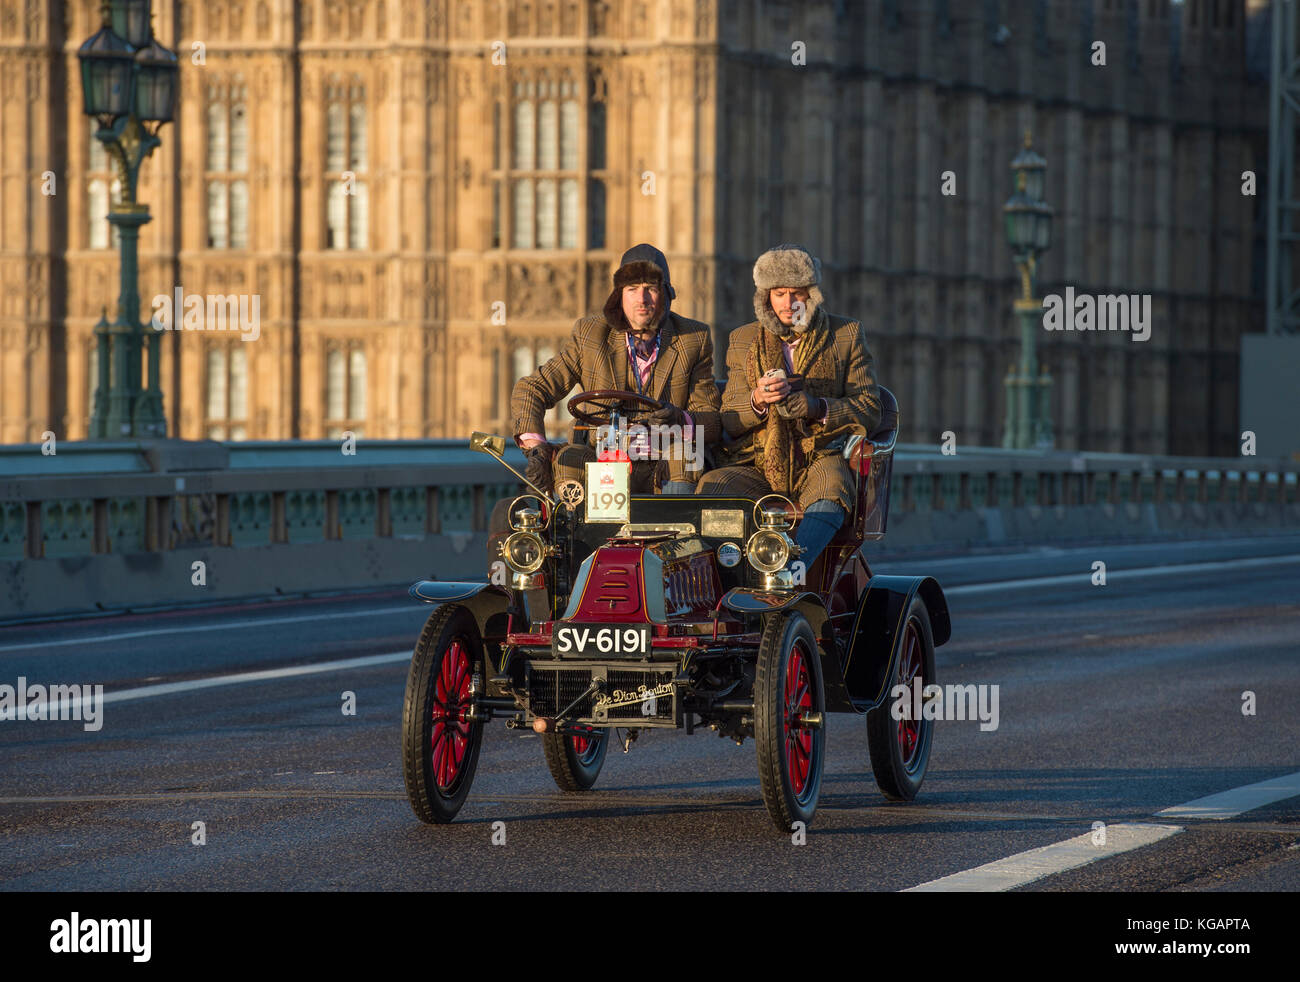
799 406
770 390
667 415
538 470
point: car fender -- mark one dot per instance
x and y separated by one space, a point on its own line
877 633
489 603
742 600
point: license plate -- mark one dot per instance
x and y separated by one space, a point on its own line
602 639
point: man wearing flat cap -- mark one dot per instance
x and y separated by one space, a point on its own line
783 431
638 345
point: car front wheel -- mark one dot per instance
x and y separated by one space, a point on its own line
440 742
789 710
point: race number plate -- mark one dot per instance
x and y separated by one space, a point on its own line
602 639
607 494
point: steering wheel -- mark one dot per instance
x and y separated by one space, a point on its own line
619 396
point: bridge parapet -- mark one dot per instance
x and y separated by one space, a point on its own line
106 525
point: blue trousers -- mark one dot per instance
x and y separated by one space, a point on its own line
821 520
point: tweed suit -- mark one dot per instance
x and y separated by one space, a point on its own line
848 384
595 357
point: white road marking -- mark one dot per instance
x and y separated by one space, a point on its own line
169 688
1034 864
197 628
1084 576
1228 804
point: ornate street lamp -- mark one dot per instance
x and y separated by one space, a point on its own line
106 73
155 88
1027 221
129 83
131 21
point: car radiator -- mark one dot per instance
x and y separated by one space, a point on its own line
641 696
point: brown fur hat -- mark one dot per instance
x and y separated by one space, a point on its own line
793 267
640 264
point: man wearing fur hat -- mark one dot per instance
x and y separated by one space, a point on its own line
782 431
636 344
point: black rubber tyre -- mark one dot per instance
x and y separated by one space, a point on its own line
788 683
439 746
575 767
900 751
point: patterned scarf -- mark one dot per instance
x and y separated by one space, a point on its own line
783 443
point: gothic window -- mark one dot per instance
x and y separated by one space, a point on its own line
345 391
596 214
596 163
532 354
542 179
102 188
226 166
92 375
347 205
227 393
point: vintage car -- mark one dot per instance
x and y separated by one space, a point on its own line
616 613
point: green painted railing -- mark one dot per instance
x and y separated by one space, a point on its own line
92 498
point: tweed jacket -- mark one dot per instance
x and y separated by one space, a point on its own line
595 357
853 405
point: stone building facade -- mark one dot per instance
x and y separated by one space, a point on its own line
424 194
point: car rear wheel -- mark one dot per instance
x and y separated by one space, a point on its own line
789 709
440 743
575 761
900 748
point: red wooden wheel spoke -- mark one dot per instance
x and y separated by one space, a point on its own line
802 696
459 743
439 743
438 749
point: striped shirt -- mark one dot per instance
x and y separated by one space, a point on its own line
641 355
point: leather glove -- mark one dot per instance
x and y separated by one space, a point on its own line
799 405
538 470
668 415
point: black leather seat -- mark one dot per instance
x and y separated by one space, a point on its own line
888 417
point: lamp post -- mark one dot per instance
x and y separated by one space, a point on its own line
1028 222
129 83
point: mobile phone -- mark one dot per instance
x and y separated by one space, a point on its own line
774 373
